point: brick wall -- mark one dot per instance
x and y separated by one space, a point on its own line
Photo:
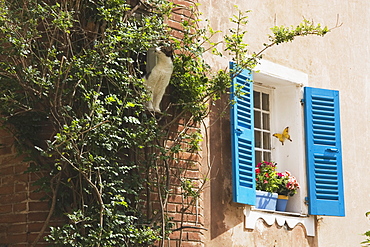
183 11
186 211
22 213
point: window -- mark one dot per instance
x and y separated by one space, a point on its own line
268 105
262 133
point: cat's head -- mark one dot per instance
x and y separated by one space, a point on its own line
164 51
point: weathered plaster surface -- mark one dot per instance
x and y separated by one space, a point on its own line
341 61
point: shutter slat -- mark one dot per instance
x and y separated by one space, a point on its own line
323 150
244 188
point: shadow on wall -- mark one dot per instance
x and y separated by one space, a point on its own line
224 213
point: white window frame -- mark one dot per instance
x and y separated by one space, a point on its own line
286 110
269 91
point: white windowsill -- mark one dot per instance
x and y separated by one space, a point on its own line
279 212
252 214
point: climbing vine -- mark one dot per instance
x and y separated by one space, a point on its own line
71 93
366 234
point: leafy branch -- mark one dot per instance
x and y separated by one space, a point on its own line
367 233
244 59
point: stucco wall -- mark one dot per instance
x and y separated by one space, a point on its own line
338 61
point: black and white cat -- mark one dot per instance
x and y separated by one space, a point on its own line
157 80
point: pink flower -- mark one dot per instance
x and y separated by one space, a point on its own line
269 164
265 182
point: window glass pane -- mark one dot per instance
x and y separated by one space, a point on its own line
257 99
257 139
258 157
262 134
257 120
265 102
266 141
266 121
267 156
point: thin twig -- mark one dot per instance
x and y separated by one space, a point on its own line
96 189
52 208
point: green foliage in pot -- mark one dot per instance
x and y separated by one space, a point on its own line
266 177
287 184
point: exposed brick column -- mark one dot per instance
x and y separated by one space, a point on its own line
21 212
184 211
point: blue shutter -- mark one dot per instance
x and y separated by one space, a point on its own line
324 152
242 134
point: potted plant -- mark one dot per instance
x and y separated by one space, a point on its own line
287 186
267 183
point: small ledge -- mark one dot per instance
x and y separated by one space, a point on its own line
252 214
278 212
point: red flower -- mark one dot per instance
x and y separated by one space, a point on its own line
267 175
258 171
265 182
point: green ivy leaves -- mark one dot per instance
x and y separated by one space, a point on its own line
282 34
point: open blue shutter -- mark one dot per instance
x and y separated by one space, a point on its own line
324 152
242 134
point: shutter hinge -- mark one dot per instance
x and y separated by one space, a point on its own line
306 200
302 101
